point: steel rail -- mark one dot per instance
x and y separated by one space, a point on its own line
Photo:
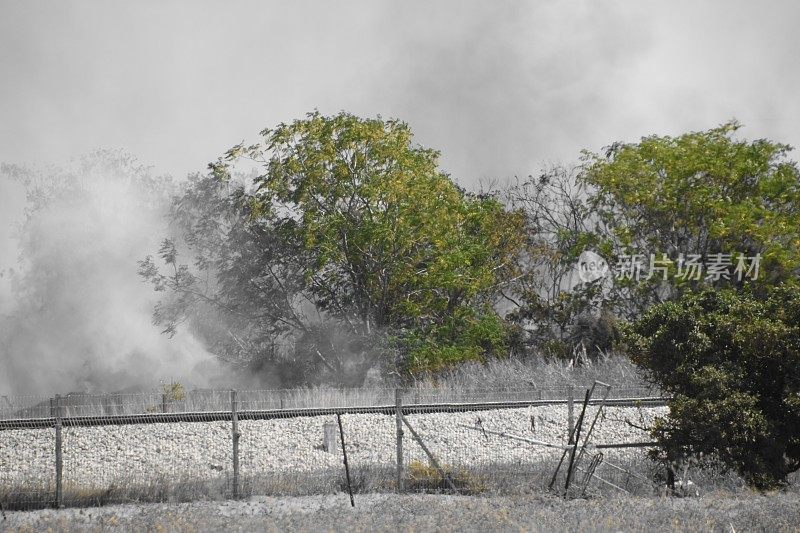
271 414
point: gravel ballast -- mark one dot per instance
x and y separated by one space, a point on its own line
105 455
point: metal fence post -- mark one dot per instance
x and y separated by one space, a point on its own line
570 413
571 465
398 415
235 438
56 404
344 455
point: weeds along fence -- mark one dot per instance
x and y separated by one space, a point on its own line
173 445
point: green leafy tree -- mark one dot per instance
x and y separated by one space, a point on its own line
702 193
731 360
371 234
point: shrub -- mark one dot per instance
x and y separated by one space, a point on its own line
427 478
173 391
731 360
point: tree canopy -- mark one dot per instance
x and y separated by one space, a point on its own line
702 193
370 233
681 202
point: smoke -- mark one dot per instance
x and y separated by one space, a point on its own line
76 316
499 87
503 88
12 203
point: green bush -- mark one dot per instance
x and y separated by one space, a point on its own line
732 362
468 335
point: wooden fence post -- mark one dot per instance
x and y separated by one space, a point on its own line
59 457
235 438
570 413
398 415
329 438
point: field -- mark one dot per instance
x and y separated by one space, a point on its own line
727 512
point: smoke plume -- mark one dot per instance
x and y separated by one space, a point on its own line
75 314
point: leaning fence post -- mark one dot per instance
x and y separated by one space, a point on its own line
398 415
235 438
344 455
570 413
431 458
56 405
571 464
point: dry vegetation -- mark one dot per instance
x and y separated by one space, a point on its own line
536 372
382 512
504 379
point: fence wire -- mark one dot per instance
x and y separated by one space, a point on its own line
177 446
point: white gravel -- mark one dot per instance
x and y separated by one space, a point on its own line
100 456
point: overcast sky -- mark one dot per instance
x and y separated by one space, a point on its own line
498 87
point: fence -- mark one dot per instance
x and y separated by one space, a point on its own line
173 445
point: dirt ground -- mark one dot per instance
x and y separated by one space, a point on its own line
387 512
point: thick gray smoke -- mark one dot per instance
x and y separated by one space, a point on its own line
75 314
499 87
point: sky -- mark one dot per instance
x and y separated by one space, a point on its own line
501 88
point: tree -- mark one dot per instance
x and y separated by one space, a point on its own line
371 234
559 227
241 293
705 194
731 360
702 193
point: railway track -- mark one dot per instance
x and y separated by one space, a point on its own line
269 414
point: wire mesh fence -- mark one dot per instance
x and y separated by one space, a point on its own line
186 445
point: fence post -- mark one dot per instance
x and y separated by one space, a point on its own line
571 465
329 437
398 415
344 455
570 413
235 439
56 407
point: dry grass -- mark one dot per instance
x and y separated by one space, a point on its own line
642 479
21 497
377 512
496 380
539 373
